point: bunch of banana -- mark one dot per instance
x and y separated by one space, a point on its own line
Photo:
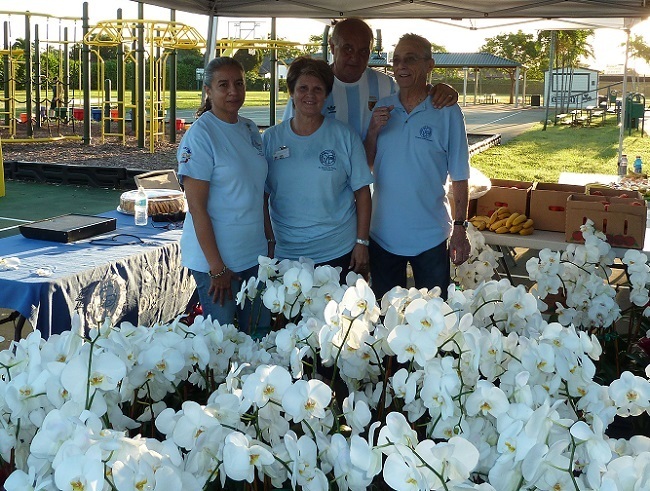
504 221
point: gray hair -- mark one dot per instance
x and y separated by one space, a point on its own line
421 42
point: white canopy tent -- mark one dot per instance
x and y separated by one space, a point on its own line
468 14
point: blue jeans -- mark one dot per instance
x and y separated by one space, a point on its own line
430 268
252 318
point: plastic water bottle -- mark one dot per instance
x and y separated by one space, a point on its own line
622 166
140 208
638 165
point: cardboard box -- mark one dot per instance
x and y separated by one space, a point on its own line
548 204
600 190
623 220
512 194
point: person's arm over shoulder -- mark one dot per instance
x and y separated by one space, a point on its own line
443 95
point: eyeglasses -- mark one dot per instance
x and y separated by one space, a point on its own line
349 51
408 60
169 225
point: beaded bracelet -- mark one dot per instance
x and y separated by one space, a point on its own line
218 275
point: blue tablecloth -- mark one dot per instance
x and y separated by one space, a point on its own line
142 282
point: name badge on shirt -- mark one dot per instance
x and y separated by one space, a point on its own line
281 153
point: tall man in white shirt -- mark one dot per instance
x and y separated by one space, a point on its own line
357 88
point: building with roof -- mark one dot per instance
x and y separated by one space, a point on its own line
476 62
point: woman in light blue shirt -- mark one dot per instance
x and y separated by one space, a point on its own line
223 170
318 180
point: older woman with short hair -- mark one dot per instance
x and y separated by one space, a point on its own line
318 182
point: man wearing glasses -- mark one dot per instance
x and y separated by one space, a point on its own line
357 88
412 148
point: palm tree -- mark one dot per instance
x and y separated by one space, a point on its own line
570 47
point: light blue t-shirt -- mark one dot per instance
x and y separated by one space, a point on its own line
353 103
311 184
230 157
415 154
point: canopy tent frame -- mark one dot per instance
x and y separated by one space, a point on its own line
471 14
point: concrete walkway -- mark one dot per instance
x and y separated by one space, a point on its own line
487 119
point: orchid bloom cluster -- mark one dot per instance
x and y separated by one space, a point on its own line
482 262
478 392
581 274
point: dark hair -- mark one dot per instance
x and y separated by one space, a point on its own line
351 23
304 65
215 65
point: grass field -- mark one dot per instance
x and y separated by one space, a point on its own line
539 155
185 99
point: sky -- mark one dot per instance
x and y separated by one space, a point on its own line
607 44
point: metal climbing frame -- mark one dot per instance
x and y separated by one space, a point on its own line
160 37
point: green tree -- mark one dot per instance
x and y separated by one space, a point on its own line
570 48
639 49
316 40
519 47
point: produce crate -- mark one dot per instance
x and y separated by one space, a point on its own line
514 195
622 220
548 204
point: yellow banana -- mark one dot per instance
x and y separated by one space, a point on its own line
515 229
497 224
526 231
528 223
503 209
520 219
476 218
502 230
493 218
482 226
511 218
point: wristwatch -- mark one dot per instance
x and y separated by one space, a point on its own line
363 242
460 223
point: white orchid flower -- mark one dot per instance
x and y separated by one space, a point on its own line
241 456
409 344
402 473
631 394
306 399
486 399
268 383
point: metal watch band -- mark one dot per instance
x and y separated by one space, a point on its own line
461 223
363 242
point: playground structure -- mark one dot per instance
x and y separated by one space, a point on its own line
139 42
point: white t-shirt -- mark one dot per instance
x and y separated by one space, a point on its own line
415 154
353 103
311 183
230 157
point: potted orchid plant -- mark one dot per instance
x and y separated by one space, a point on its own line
486 390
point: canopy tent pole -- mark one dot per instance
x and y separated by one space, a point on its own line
273 93
465 72
547 97
621 133
517 87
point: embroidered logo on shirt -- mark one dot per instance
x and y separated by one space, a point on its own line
186 154
328 159
425 133
331 109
